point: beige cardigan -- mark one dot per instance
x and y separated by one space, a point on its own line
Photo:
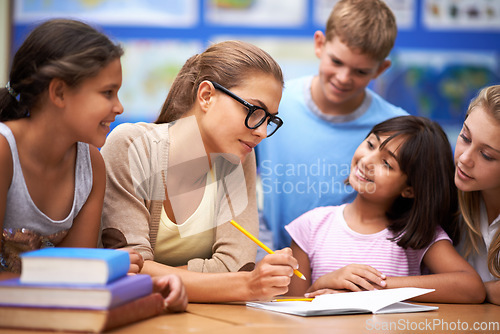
136 157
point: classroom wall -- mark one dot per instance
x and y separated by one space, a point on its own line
445 51
5 40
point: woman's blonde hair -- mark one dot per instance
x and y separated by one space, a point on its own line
228 63
488 99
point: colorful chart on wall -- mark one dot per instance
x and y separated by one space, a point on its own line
256 13
295 55
404 11
462 14
149 68
438 85
437 66
166 13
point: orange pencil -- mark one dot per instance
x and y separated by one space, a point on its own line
293 300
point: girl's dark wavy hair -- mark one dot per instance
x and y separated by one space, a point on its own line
426 157
66 49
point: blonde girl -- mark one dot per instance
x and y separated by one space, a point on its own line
477 176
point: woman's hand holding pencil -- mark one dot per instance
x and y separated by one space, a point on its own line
273 273
267 249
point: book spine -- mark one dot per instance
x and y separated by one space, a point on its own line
118 265
140 309
129 288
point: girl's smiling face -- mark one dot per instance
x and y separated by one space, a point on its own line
93 105
375 171
477 153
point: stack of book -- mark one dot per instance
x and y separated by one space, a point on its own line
76 289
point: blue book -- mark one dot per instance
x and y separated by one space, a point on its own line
74 265
78 296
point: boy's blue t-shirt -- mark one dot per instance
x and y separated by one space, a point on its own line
305 163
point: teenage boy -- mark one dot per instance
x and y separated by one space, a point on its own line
326 116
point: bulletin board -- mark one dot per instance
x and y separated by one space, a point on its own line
446 50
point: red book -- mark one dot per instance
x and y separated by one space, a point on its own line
81 320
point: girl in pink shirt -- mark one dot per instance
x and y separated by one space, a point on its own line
397 226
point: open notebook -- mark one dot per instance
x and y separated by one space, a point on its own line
376 301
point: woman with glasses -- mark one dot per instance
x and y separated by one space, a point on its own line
173 185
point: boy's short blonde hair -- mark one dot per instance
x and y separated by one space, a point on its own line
368 26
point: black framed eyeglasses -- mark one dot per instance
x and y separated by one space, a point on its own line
256 115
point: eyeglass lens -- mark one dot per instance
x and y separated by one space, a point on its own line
257 116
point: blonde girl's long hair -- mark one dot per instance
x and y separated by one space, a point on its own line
488 99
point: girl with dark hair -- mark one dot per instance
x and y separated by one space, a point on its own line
55 112
402 223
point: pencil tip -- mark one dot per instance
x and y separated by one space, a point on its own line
303 277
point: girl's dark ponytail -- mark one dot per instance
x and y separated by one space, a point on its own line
10 104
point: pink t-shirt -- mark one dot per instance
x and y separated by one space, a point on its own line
323 234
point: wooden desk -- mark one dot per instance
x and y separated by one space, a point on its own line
455 316
239 319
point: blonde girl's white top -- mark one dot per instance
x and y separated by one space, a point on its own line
480 260
178 243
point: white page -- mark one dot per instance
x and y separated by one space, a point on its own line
401 307
370 300
377 301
